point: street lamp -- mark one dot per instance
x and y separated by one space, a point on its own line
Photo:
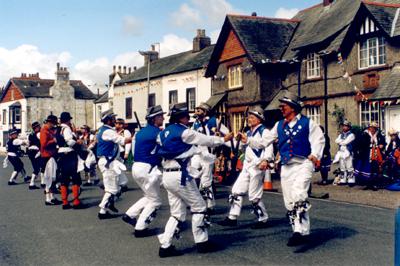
151 56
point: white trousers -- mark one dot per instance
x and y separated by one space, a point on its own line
110 180
346 166
295 180
250 181
179 197
149 181
206 178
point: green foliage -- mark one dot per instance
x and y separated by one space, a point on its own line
339 114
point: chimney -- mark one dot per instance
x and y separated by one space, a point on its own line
129 70
254 14
124 69
114 69
149 56
119 69
327 2
62 74
134 68
201 41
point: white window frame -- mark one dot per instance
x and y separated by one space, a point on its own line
379 49
17 114
191 99
314 113
313 66
369 112
99 111
172 97
4 117
235 77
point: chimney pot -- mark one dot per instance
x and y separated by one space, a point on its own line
201 41
327 2
129 70
58 65
114 69
124 69
254 14
134 68
119 69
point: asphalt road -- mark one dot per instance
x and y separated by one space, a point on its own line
34 234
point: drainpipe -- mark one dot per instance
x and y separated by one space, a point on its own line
325 63
299 80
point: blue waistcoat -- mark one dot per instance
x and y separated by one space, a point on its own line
13 148
171 142
260 131
108 149
294 141
344 136
146 146
209 123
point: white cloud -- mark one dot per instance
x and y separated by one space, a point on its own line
132 26
186 17
214 35
172 44
202 13
29 59
286 12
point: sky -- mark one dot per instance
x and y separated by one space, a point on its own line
90 36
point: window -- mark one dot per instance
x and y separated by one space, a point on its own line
17 115
4 117
234 76
191 99
128 108
314 113
369 112
237 121
372 52
152 100
173 97
368 26
313 66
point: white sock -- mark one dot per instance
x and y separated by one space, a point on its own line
13 176
41 178
48 198
102 211
32 183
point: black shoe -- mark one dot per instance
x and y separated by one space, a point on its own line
33 187
88 184
169 252
206 247
66 207
27 179
56 201
228 222
351 184
260 225
101 186
210 211
49 203
296 239
107 215
124 189
11 183
96 182
79 206
119 193
127 219
141 233
42 185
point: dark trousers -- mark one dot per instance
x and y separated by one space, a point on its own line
36 162
16 163
68 163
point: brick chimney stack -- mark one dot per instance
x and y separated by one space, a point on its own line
150 56
327 2
201 41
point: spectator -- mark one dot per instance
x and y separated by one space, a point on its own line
326 159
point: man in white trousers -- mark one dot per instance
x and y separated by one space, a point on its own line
146 173
301 143
251 179
345 155
206 124
124 151
109 165
178 145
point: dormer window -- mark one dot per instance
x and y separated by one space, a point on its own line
372 52
235 76
368 27
313 66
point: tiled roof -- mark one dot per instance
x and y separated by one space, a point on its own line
264 39
40 88
173 64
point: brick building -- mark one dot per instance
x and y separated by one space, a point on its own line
29 98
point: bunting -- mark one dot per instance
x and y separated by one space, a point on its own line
348 78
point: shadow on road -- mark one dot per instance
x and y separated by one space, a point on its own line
319 237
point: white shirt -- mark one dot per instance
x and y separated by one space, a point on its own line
112 135
316 138
344 142
266 154
69 136
192 137
125 147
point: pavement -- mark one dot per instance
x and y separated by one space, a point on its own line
34 234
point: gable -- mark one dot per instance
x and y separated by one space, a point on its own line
232 48
12 94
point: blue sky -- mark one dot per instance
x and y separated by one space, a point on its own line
90 36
